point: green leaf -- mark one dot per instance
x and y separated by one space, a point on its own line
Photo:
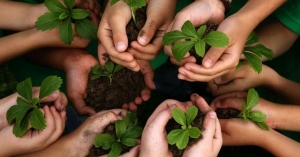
180 49
21 101
188 29
103 139
117 68
79 14
96 70
69 3
172 136
136 3
24 89
194 132
253 61
66 31
55 6
252 99
21 128
257 116
200 48
263 125
49 85
201 31
95 77
16 112
120 128
48 21
179 116
37 119
183 139
130 142
191 114
216 39
112 2
115 150
35 101
63 15
134 133
171 37
109 66
86 29
253 38
260 50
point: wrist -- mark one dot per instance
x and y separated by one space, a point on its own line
35 12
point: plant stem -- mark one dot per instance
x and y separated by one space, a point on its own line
133 14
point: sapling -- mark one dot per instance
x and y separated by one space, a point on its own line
108 70
133 4
257 117
180 137
27 107
126 130
188 38
63 17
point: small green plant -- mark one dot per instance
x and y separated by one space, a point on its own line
180 137
257 117
27 108
127 130
254 53
133 4
108 70
188 38
63 17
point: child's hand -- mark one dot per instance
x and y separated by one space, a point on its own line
241 79
33 140
91 5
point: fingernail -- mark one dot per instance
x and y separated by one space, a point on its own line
143 40
217 80
181 77
55 94
120 46
120 117
172 106
218 103
207 63
195 95
212 115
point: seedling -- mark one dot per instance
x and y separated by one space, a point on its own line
133 4
257 117
127 130
27 108
63 17
108 70
180 137
188 38
254 53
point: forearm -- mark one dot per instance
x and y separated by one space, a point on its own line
272 34
19 16
279 145
286 117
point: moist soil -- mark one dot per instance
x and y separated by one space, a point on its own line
125 87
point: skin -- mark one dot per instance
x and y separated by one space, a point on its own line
112 32
33 140
82 138
237 27
155 137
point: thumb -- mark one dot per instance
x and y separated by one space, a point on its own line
148 31
211 56
209 125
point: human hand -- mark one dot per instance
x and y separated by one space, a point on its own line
241 79
154 138
207 11
235 100
218 61
33 140
77 68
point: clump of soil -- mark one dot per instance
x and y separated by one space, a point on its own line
126 84
198 122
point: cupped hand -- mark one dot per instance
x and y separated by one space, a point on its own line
235 100
199 12
78 67
241 79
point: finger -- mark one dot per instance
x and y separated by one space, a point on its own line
146 93
227 77
50 123
133 152
52 97
132 65
59 125
234 86
81 107
209 126
211 56
218 135
218 102
200 103
158 124
142 55
147 71
132 106
92 4
94 18
61 102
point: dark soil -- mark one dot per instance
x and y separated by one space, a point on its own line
126 84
